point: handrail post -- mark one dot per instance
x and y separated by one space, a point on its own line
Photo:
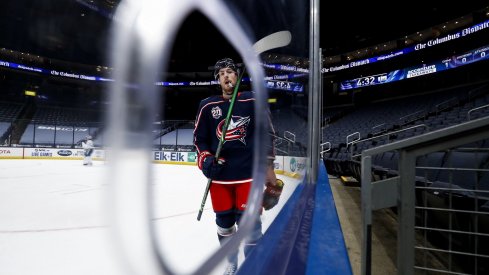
366 263
406 213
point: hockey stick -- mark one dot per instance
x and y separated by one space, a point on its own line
272 41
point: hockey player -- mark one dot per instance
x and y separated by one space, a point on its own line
232 174
87 146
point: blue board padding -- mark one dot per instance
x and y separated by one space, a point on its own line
327 249
272 254
300 251
304 238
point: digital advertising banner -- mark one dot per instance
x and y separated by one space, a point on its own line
415 71
11 153
175 157
55 153
417 47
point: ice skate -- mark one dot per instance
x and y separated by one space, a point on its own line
231 269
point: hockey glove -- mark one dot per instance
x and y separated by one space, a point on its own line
211 168
272 193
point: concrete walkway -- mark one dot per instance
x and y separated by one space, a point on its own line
384 235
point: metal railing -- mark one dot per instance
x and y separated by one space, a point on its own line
289 136
401 191
446 104
385 135
352 138
378 129
413 116
326 144
476 109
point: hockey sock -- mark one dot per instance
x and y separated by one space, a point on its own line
253 239
223 234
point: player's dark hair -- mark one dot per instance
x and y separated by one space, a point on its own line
224 63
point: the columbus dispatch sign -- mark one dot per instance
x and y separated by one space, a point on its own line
451 62
417 47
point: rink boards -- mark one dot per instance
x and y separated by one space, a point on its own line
288 165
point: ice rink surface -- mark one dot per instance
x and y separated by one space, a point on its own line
54 218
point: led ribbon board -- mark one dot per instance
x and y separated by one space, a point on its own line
415 71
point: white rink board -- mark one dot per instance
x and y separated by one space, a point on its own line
11 153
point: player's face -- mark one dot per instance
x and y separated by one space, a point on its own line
227 80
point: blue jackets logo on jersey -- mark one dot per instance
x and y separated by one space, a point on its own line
237 129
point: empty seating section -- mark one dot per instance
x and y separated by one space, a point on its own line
439 110
291 131
177 137
64 127
453 202
385 122
65 116
366 118
381 117
173 135
4 126
286 120
8 113
183 136
451 186
462 170
58 126
50 135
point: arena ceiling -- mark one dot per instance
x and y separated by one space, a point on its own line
346 26
77 30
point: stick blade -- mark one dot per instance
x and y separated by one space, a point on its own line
272 41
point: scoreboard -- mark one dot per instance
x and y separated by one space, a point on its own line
415 71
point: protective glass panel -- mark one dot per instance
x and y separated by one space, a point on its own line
124 191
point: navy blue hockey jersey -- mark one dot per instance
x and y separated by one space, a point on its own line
237 149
